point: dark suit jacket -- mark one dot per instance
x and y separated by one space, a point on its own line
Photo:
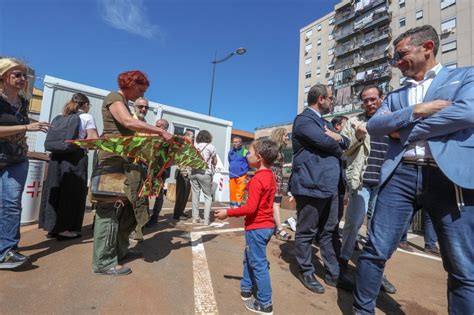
316 169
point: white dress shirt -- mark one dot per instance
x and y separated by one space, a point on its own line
416 95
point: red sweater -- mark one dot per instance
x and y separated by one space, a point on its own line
258 210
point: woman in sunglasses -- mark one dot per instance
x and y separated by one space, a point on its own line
14 124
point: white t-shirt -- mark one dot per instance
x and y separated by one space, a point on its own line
207 151
87 122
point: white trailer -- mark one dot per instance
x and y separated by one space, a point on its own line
57 92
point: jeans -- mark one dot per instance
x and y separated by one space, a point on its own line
256 266
430 234
361 202
316 215
201 182
408 189
13 178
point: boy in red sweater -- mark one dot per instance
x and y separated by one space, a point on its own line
259 226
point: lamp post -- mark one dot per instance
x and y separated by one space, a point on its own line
238 51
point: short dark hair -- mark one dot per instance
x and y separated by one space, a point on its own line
315 92
236 137
368 87
267 149
204 136
337 120
419 35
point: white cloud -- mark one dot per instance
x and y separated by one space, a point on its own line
129 16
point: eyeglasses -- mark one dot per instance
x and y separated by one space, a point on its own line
19 74
369 100
142 107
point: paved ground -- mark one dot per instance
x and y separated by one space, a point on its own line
188 269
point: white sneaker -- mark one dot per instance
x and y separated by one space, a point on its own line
292 223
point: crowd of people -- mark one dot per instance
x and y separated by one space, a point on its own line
408 150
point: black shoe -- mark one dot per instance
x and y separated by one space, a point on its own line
342 283
311 283
151 223
12 260
114 271
255 306
244 295
387 286
432 250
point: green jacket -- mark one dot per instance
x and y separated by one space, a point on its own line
357 153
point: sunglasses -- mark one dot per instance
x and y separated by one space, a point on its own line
332 98
19 74
141 107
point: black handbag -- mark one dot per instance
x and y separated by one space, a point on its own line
11 153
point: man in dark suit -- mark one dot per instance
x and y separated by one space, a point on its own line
314 183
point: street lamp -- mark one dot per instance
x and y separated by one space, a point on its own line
238 51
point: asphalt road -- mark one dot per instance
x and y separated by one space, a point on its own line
189 269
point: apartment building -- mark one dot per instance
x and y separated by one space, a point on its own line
359 35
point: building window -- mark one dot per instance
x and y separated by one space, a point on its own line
307 61
305 104
401 3
330 51
318 71
319 27
452 65
319 41
309 33
331 37
447 3
308 47
331 21
448 46
307 75
331 66
402 22
419 14
402 80
306 88
318 56
448 25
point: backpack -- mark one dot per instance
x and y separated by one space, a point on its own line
63 128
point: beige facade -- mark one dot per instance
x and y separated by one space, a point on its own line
315 66
363 32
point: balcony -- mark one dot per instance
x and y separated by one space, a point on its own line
340 51
339 35
372 5
378 19
374 56
376 37
343 17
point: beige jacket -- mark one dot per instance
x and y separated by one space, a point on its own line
357 153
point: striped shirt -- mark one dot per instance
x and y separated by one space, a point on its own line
378 149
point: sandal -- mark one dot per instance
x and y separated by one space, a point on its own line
282 235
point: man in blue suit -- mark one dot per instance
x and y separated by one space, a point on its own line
429 164
314 183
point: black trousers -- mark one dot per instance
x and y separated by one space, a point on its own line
316 215
183 188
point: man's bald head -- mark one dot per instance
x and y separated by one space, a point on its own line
162 123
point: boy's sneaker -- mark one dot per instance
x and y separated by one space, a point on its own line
244 295
13 260
255 306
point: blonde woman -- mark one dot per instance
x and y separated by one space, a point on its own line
14 124
280 136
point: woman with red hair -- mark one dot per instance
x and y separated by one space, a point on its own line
115 221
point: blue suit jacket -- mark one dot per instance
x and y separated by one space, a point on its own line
449 132
316 168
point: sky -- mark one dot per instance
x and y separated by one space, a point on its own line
173 42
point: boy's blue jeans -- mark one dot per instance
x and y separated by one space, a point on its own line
256 268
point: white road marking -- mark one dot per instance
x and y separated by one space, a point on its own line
204 298
420 254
